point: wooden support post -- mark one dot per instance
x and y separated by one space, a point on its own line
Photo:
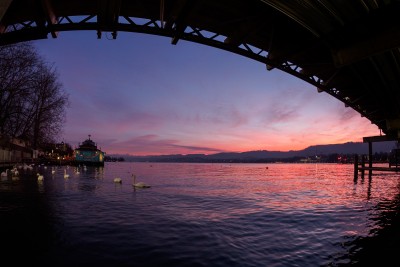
355 168
370 159
362 167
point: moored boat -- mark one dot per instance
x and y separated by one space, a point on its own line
88 154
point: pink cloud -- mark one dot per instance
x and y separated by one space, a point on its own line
155 145
143 97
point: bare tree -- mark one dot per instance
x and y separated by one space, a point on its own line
50 102
17 64
32 100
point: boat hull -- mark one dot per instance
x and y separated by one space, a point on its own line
89 157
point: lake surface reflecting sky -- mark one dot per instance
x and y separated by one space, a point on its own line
201 215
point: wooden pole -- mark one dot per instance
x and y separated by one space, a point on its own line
370 159
355 168
362 167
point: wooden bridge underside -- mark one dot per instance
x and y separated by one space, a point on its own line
346 48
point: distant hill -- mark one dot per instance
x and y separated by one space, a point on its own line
349 148
262 155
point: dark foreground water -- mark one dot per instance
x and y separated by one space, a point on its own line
201 215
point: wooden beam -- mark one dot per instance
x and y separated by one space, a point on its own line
375 33
379 138
23 35
244 27
355 168
370 159
180 22
108 14
393 124
4 5
372 45
51 18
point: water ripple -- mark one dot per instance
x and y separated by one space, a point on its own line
203 215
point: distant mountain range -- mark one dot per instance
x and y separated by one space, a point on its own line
265 155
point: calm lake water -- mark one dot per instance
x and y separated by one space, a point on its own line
201 215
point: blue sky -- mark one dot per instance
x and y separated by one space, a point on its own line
140 95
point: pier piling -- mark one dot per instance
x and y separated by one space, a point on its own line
362 167
370 159
370 166
355 168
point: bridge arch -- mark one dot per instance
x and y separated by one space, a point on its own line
348 49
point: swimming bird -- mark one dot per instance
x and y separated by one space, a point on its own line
15 172
117 180
40 177
65 174
139 184
5 173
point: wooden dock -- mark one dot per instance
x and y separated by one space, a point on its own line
366 163
384 169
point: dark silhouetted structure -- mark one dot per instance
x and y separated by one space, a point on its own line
348 49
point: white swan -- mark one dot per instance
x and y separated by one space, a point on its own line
5 173
15 172
139 184
65 174
117 180
40 177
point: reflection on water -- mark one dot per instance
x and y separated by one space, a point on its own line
380 247
201 215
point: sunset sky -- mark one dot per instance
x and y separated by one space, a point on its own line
140 95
